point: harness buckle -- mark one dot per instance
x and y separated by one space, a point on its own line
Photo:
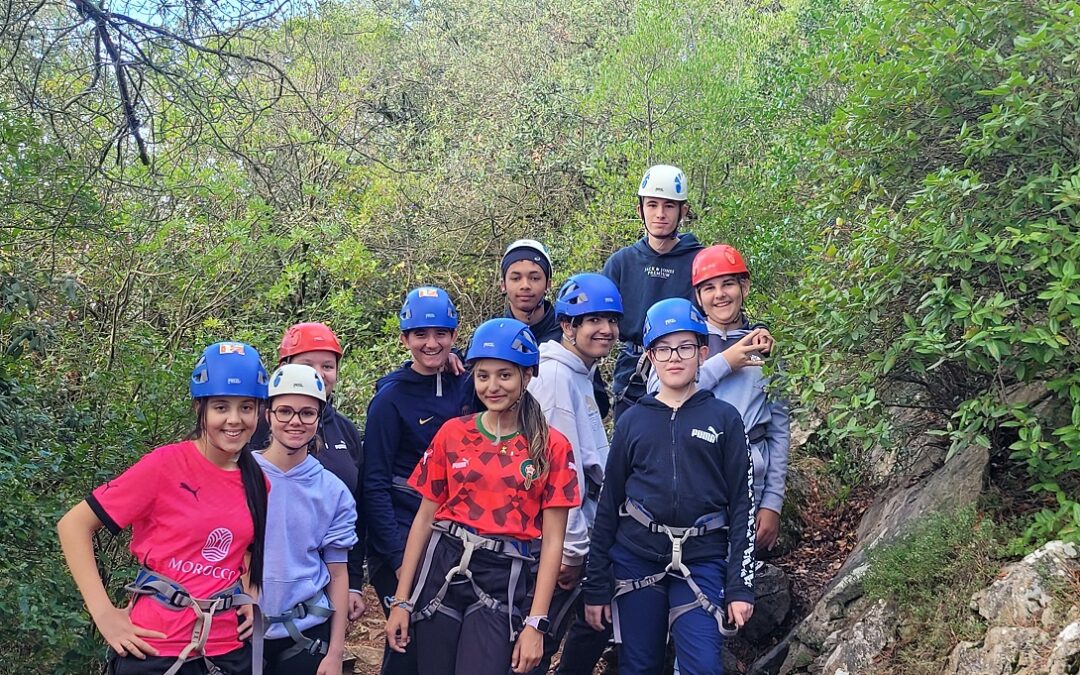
677 542
179 598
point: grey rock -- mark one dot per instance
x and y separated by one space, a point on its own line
1065 659
1023 594
1004 650
858 646
799 658
773 660
772 602
958 483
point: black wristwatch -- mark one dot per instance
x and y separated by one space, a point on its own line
540 623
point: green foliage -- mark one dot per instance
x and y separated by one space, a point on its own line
930 575
901 175
947 258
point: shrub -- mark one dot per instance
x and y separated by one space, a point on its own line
931 574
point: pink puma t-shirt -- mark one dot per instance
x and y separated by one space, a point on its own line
190 522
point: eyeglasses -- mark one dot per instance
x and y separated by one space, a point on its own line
285 414
663 353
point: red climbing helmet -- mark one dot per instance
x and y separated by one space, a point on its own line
717 261
308 337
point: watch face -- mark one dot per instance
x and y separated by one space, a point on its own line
542 625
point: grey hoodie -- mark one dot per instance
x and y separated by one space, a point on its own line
564 389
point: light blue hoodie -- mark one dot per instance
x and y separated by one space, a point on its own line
310 521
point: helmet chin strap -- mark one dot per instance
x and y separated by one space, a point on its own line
529 314
498 416
297 448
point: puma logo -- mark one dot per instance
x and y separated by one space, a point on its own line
194 491
423 421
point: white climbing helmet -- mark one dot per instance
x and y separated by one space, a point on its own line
527 249
664 181
293 378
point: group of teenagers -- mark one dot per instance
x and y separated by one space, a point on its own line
497 521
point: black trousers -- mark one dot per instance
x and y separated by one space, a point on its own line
478 640
304 663
236 662
584 646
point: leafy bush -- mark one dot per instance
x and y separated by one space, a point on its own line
948 255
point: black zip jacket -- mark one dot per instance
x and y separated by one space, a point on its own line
679 465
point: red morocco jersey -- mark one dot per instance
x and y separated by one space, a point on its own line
189 522
491 486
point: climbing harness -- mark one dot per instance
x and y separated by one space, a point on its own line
709 523
517 551
309 607
172 595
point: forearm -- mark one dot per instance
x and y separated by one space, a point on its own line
419 534
778 445
339 597
713 370
383 537
76 531
551 547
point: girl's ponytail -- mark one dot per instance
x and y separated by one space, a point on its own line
255 491
534 427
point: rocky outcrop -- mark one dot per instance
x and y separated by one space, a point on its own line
1033 614
1005 650
843 633
1024 593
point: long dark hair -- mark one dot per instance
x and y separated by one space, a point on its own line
534 427
254 491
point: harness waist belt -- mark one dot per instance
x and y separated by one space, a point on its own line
177 598
309 607
712 522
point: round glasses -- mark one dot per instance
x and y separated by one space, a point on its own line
663 353
285 414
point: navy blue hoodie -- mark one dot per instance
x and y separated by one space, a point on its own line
645 277
343 454
402 419
679 465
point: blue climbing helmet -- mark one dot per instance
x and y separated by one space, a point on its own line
588 293
671 316
505 339
427 307
229 369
